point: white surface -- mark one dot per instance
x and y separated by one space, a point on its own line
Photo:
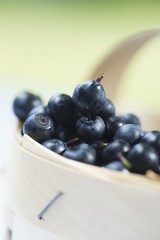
7 123
2 195
24 230
6 128
21 228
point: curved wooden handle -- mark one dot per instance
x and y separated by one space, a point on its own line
116 62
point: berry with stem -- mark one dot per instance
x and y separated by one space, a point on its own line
89 129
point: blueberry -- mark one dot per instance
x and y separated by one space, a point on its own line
55 145
98 146
82 153
152 138
90 130
24 103
40 127
38 109
130 118
65 133
115 165
105 111
60 108
113 124
130 132
143 157
89 93
112 151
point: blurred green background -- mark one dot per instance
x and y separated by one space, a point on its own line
51 46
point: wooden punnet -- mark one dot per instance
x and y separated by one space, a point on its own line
50 197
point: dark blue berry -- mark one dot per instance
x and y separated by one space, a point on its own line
38 109
40 127
131 133
143 157
55 145
130 118
60 108
65 133
105 111
82 153
152 138
89 93
113 124
24 103
112 151
115 165
90 130
98 146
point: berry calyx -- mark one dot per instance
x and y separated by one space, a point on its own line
90 130
40 127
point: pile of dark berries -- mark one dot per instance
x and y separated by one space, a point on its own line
85 128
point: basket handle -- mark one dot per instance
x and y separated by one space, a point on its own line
116 62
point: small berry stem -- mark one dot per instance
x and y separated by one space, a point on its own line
72 141
88 114
104 144
125 161
101 77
